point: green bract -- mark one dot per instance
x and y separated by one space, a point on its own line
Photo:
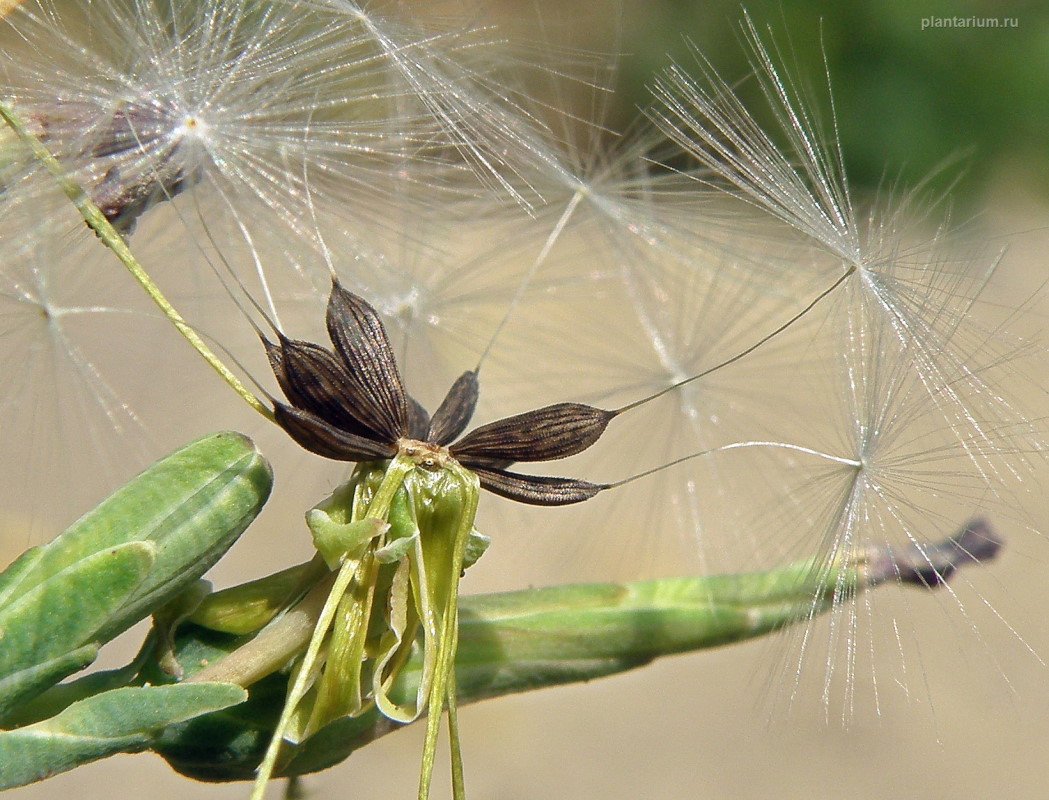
378 641
396 537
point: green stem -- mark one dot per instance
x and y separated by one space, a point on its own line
537 638
97 221
276 644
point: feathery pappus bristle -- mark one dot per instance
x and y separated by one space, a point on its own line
901 371
143 98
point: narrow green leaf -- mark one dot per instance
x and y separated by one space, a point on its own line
191 506
11 578
66 610
19 687
49 632
61 696
119 721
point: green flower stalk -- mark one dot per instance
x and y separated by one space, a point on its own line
101 225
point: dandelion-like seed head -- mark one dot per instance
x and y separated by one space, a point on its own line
895 381
251 101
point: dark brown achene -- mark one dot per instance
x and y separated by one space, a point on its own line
349 404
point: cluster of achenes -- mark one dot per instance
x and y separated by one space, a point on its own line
832 364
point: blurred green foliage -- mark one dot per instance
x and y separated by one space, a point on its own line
908 100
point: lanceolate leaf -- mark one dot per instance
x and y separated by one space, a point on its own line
52 616
192 505
131 554
11 578
50 631
29 682
118 721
